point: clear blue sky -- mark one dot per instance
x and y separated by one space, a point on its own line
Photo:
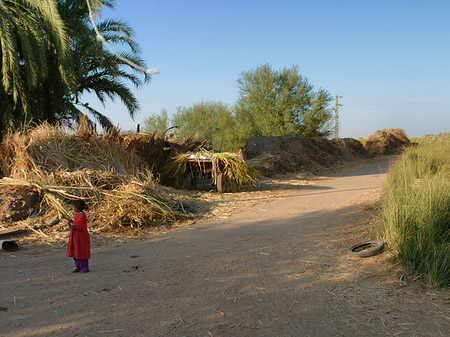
390 60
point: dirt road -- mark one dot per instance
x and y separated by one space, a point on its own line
279 268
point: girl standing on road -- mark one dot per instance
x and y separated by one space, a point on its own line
79 246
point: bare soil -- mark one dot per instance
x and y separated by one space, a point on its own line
17 203
265 263
293 153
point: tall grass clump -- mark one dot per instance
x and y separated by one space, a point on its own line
416 210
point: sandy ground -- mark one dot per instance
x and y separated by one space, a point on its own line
276 267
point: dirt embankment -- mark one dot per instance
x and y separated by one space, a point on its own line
18 203
277 155
294 153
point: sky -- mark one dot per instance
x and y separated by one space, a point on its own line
389 60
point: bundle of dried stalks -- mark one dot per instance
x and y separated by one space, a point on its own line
49 148
238 174
133 205
66 165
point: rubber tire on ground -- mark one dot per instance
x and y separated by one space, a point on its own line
355 249
8 246
220 183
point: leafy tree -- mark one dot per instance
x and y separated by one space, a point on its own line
212 121
276 103
157 123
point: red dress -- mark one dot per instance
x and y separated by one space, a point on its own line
79 242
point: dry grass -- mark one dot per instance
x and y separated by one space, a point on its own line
238 174
65 165
47 148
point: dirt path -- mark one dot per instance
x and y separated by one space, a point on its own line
279 268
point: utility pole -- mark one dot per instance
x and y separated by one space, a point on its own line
336 117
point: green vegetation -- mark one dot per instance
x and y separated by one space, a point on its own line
416 210
212 121
50 57
416 139
280 102
93 69
270 103
33 46
157 123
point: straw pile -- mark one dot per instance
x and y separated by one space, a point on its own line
238 174
65 165
386 141
236 171
157 152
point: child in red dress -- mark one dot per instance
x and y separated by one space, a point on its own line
79 246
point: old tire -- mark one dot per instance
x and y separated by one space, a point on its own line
366 249
8 246
220 183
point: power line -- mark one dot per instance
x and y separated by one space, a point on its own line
405 103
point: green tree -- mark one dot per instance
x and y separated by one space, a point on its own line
94 69
39 90
277 103
212 121
31 32
157 123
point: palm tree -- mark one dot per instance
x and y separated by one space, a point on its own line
29 32
93 69
100 72
37 89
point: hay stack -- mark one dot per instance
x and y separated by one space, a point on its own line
386 141
46 149
64 165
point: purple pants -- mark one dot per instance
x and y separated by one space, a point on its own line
81 265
